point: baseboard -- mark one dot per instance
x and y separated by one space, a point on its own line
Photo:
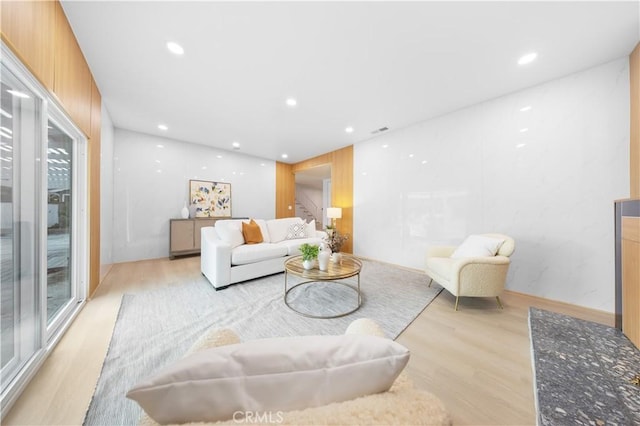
582 312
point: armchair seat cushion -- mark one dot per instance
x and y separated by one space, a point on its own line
442 266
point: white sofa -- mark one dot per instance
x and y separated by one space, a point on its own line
225 259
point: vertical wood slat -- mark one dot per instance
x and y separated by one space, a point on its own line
634 140
631 279
28 28
72 78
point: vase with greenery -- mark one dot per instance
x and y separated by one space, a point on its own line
309 254
335 240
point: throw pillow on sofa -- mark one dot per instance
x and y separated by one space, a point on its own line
251 232
287 373
297 230
230 232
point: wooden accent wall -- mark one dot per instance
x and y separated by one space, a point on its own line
634 142
39 33
341 162
631 278
285 190
18 24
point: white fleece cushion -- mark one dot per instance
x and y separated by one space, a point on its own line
278 374
230 231
477 246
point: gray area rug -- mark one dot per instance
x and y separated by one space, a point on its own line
583 372
156 328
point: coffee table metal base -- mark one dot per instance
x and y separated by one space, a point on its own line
356 290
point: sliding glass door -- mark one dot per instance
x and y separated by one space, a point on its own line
20 143
42 224
60 290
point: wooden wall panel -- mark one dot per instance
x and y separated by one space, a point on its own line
634 142
285 190
72 77
94 187
341 162
631 278
28 28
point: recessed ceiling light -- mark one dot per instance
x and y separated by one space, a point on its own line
528 58
410 155
292 102
236 145
160 146
364 173
424 161
163 127
349 129
175 48
385 146
218 156
524 109
520 145
262 164
284 156
204 167
524 130
18 94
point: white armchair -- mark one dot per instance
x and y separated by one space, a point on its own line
476 276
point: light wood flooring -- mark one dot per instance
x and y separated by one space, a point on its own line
477 360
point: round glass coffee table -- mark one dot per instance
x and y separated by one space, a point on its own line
348 267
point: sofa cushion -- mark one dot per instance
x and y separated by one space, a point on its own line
251 253
251 232
278 228
277 374
230 231
293 246
477 246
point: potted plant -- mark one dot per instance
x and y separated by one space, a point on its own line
309 254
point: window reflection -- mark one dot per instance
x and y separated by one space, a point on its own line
59 157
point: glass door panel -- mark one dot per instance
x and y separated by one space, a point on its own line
60 289
20 127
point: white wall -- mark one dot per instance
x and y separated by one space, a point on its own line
151 179
554 195
106 192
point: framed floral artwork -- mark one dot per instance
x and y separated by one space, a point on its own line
211 199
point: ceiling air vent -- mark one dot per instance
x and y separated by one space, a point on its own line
380 130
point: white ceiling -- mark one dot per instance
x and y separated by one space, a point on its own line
360 64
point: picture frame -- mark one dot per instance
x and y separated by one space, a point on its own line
211 199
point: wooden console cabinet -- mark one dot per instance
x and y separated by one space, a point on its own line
184 235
